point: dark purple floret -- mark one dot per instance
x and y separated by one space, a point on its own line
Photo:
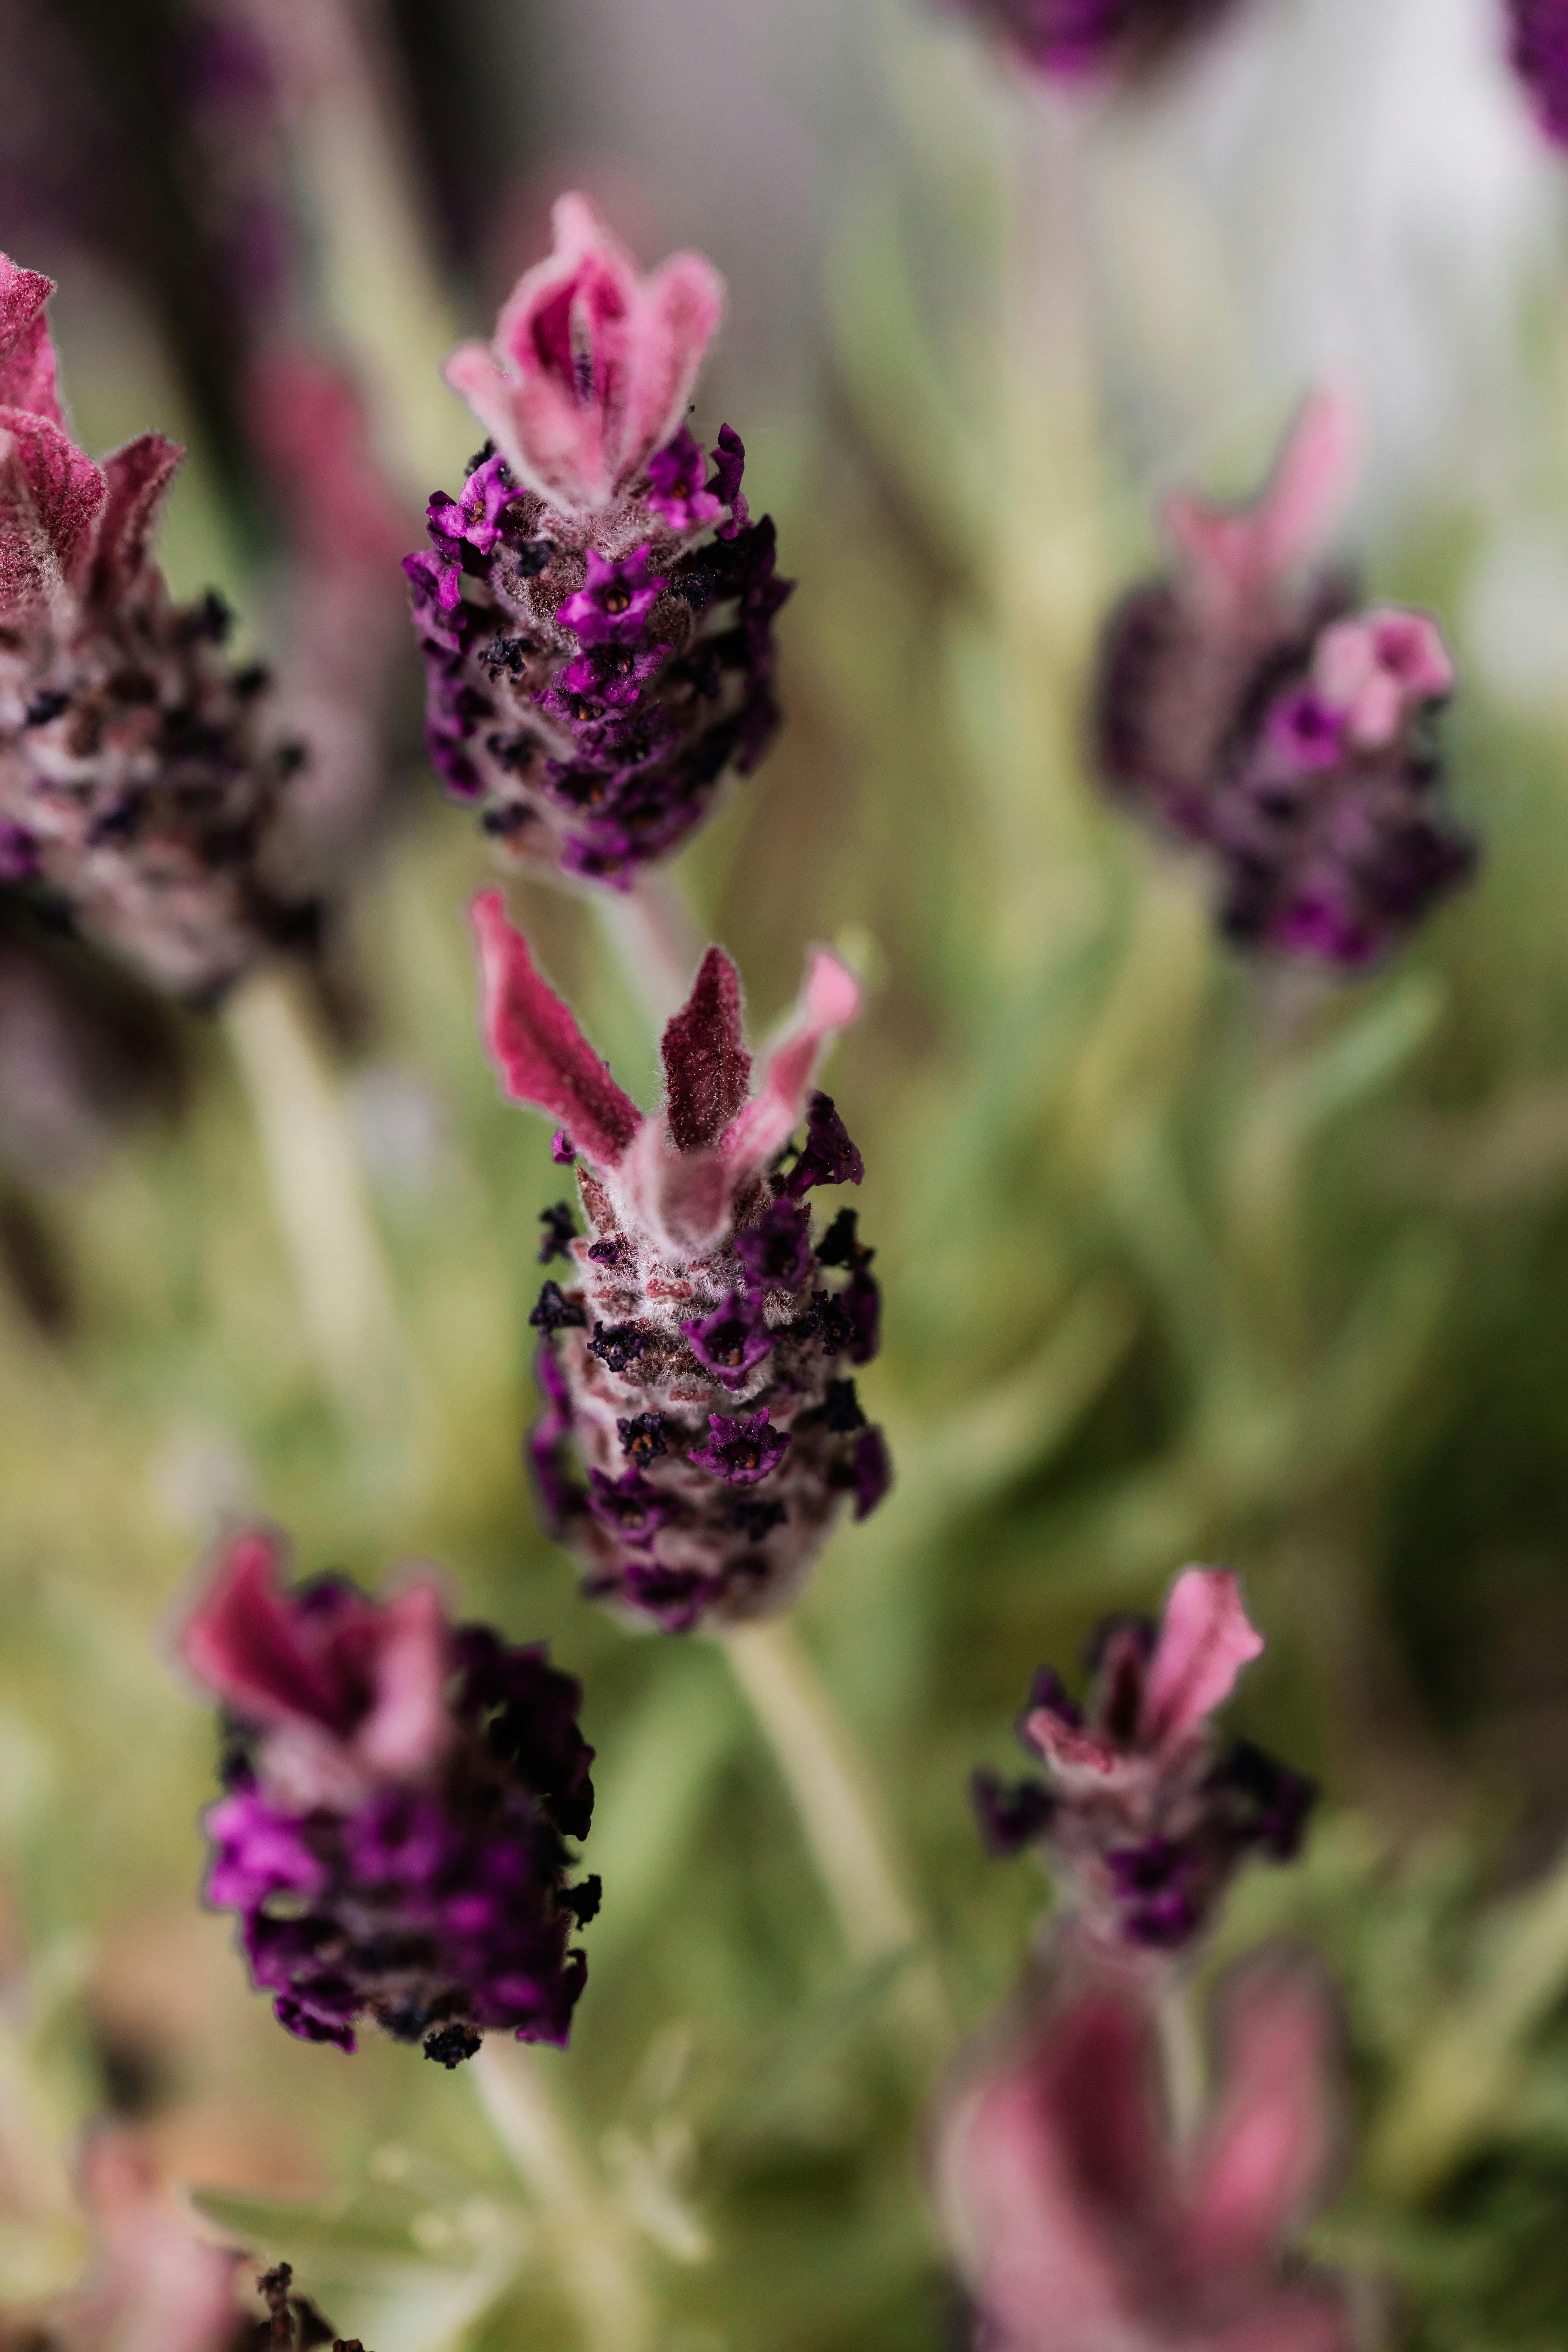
776 1250
631 1504
560 1229
563 1151
1537 46
732 1341
841 1408
617 1345
829 1157
1012 1814
555 1312
756 1516
740 1448
644 1437
1269 1804
840 1246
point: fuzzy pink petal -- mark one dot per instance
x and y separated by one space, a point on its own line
50 498
1205 1639
240 1640
830 999
549 444
408 1722
675 318
1264 2161
137 479
543 1055
706 1065
1236 554
26 354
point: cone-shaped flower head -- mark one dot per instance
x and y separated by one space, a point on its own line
137 784
1248 705
1144 1815
1078 40
1079 2223
596 610
399 1791
1538 43
698 1351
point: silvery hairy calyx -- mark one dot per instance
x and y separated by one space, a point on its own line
141 789
596 607
698 1348
399 1792
1141 1814
1251 706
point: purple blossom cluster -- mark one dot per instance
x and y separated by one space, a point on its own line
596 607
1078 39
701 1427
399 1795
1248 706
141 789
1142 1815
1538 45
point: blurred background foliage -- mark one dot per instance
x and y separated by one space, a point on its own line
1183 1259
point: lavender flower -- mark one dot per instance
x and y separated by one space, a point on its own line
696 1365
399 1791
596 610
137 783
1538 45
1080 2220
1074 40
1249 705
1140 1812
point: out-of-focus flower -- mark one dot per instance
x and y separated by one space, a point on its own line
1141 1813
1080 2225
596 610
1538 44
1248 705
1076 40
137 783
696 1361
399 1790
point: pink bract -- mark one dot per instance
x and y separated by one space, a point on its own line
592 365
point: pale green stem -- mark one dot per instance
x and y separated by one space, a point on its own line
593 2250
839 1814
1181 2058
320 1197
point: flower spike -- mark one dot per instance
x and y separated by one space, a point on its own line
694 1347
399 1790
596 607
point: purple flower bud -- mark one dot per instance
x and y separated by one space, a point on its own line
1141 1820
560 1229
1247 707
1538 45
556 1312
829 1157
400 1791
595 665
139 780
697 1442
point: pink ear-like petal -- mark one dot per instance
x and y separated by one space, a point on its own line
830 1000
137 479
536 1044
674 321
240 1640
549 443
407 1721
1205 1639
706 1065
26 354
50 498
1237 554
1264 2161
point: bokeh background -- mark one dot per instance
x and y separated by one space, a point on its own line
1183 1259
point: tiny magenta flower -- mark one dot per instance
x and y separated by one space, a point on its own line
1086 40
399 1792
692 1362
1538 45
596 607
1248 706
1141 1812
1078 2222
137 785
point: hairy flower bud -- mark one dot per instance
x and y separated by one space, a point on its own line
701 1427
137 784
399 1792
597 612
1082 39
1141 1813
1248 706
